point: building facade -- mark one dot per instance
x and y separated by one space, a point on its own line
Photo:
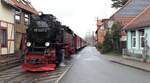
22 13
127 13
14 20
103 26
100 32
138 36
6 29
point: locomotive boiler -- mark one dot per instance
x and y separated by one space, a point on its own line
44 43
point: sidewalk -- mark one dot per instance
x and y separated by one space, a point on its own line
128 62
7 62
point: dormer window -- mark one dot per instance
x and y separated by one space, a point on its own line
18 0
24 2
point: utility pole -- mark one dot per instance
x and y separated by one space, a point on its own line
93 38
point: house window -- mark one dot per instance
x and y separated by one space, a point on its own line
133 36
142 39
26 19
18 17
3 37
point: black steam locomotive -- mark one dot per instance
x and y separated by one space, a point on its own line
44 43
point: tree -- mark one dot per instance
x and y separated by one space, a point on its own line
111 39
107 45
115 31
118 3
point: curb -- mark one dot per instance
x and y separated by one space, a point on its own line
63 74
130 65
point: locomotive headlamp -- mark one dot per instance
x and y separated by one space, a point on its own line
47 44
28 44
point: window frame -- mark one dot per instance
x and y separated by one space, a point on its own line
133 39
142 38
17 13
5 43
26 16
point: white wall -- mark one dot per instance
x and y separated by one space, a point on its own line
7 20
6 13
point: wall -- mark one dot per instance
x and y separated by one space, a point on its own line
137 49
147 32
7 20
101 34
7 13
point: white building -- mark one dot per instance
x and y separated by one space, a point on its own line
6 29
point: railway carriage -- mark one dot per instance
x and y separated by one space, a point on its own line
69 42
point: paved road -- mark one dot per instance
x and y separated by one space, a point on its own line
92 67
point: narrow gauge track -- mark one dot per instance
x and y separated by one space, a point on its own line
17 75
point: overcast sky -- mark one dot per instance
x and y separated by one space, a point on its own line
79 15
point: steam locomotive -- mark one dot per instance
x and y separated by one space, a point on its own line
45 42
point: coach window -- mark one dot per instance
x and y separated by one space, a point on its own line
18 17
3 37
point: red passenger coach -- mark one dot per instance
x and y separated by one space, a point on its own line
69 42
72 42
75 42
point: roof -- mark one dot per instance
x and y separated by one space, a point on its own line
124 20
130 10
115 14
142 20
99 23
22 4
66 28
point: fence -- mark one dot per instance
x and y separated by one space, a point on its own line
140 53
